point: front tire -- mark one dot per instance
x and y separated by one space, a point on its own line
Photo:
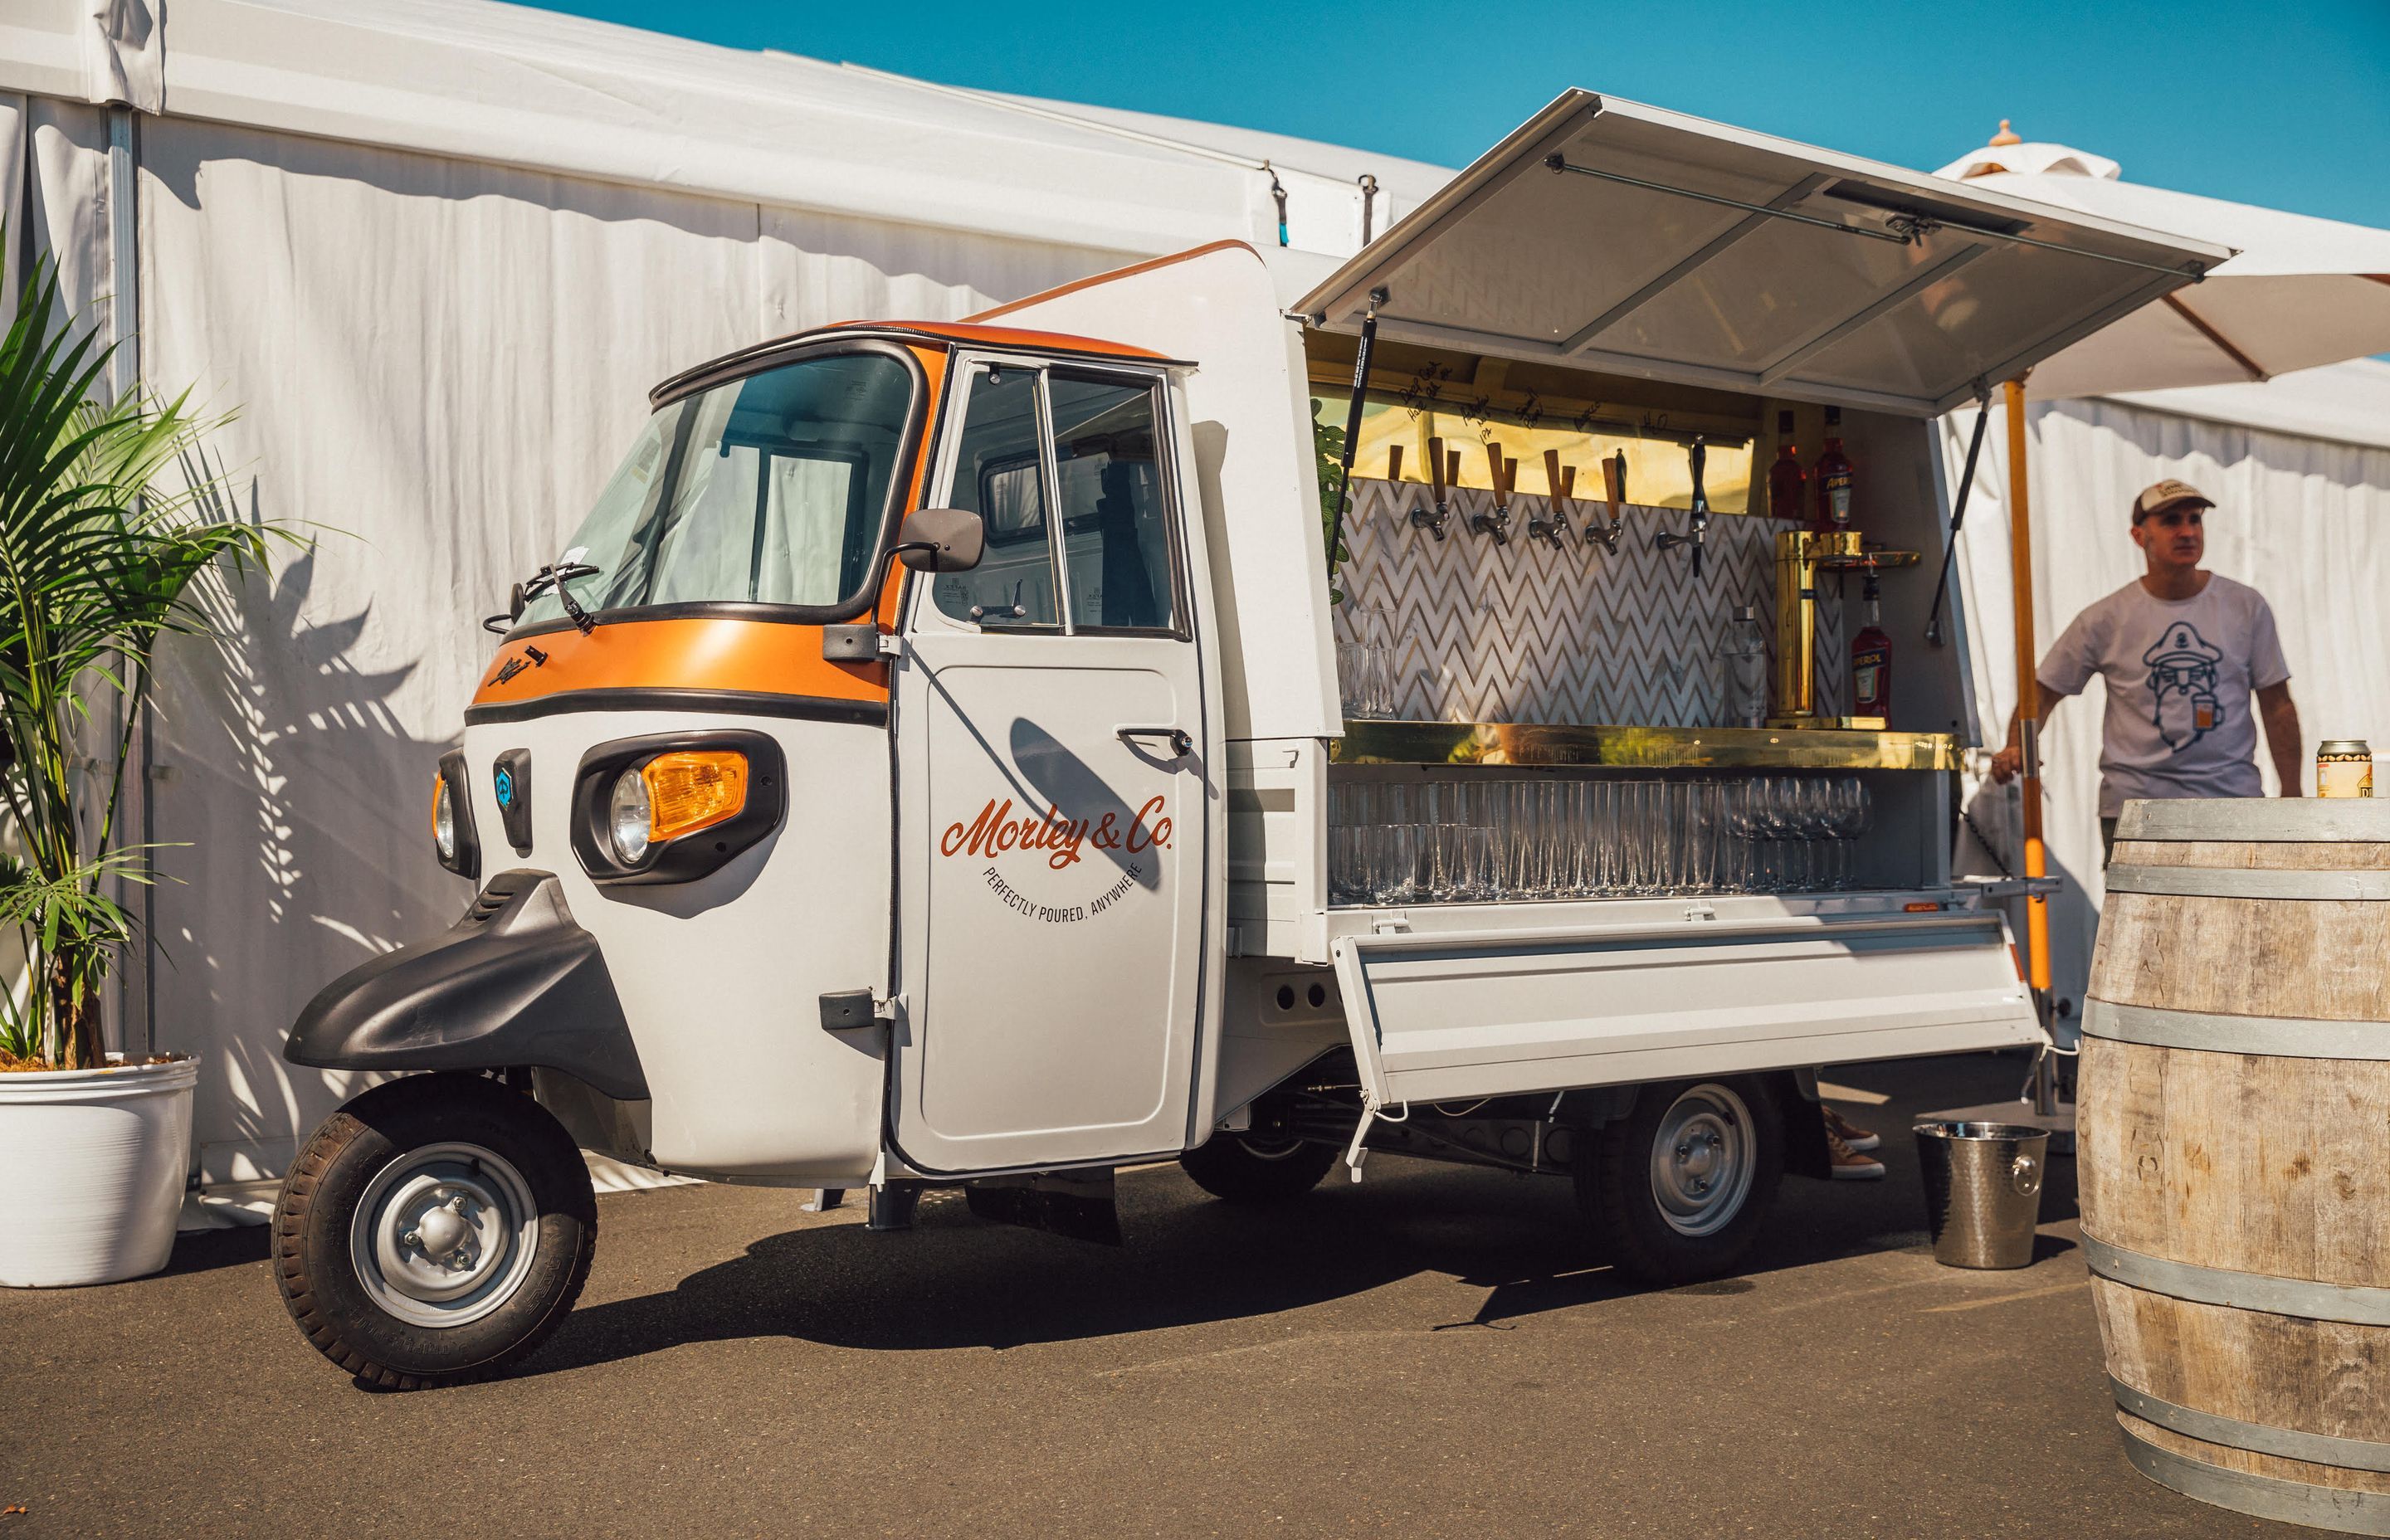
1238 1168
1679 1188
433 1231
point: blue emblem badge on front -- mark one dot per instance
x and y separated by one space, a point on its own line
510 781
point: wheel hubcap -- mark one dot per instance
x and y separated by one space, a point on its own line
444 1234
1701 1160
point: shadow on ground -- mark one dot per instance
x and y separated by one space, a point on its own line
956 1282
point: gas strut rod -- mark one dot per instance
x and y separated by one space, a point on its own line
1933 635
1353 428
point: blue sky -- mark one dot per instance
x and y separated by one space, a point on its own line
2284 105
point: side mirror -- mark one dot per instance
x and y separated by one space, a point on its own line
942 540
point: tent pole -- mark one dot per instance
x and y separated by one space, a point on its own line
2037 863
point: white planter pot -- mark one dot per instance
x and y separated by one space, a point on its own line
91 1171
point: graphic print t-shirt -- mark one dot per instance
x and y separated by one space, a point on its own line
2180 673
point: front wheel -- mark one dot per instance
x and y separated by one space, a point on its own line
433 1231
1680 1187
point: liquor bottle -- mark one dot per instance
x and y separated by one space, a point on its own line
1745 653
1871 660
1832 474
1786 481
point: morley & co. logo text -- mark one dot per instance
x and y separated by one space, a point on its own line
997 830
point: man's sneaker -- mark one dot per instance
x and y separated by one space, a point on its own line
1845 1130
1845 1164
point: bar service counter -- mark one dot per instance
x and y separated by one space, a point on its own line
1622 747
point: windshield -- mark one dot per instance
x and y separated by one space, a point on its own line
771 489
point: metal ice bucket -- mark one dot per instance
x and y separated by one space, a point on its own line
1983 1190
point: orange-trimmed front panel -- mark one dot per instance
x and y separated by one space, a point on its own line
733 655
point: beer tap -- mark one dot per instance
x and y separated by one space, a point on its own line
1496 523
1614 489
1700 522
1420 517
1553 527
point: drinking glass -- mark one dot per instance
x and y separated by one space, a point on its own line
1463 854
1347 869
1393 861
1582 838
1696 822
1847 816
1601 870
1775 820
1748 820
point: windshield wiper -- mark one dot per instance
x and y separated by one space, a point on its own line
554 575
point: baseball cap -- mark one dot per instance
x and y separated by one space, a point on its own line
2164 495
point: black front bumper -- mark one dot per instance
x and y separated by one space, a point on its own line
513 983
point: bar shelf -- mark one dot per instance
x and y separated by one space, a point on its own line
1614 746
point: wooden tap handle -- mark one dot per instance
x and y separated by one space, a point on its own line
1552 483
1435 466
1494 460
1393 462
1568 483
1452 468
1613 481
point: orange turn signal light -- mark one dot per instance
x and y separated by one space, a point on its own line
695 789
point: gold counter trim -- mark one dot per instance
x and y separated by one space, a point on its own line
1376 742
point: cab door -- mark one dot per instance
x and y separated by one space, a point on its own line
1055 756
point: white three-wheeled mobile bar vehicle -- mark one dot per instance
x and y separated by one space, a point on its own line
928 763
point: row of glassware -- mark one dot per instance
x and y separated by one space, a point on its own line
1476 839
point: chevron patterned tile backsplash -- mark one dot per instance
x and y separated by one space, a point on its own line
1524 632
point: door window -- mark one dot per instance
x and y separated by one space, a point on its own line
1115 519
1066 471
1000 475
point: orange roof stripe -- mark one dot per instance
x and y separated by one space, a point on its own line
1002 337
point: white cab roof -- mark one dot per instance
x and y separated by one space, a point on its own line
1617 236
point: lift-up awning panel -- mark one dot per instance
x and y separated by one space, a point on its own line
1622 238
1452 1014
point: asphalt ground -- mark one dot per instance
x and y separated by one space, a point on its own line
1434 1351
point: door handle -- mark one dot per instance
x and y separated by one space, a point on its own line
1181 745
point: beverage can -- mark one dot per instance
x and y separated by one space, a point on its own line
2343 768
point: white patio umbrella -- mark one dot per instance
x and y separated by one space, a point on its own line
2301 292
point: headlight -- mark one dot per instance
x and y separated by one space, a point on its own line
628 816
444 819
671 795
452 818
674 807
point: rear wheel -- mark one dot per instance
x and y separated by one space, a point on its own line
1242 1168
1679 1188
434 1230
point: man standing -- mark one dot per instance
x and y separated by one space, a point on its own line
2182 651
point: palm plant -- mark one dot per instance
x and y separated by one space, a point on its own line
97 561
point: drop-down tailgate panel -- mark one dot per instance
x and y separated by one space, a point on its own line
1446 1014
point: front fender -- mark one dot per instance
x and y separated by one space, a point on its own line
513 983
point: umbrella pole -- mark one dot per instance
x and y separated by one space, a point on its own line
2036 861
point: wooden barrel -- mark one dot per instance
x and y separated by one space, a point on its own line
2233 1152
